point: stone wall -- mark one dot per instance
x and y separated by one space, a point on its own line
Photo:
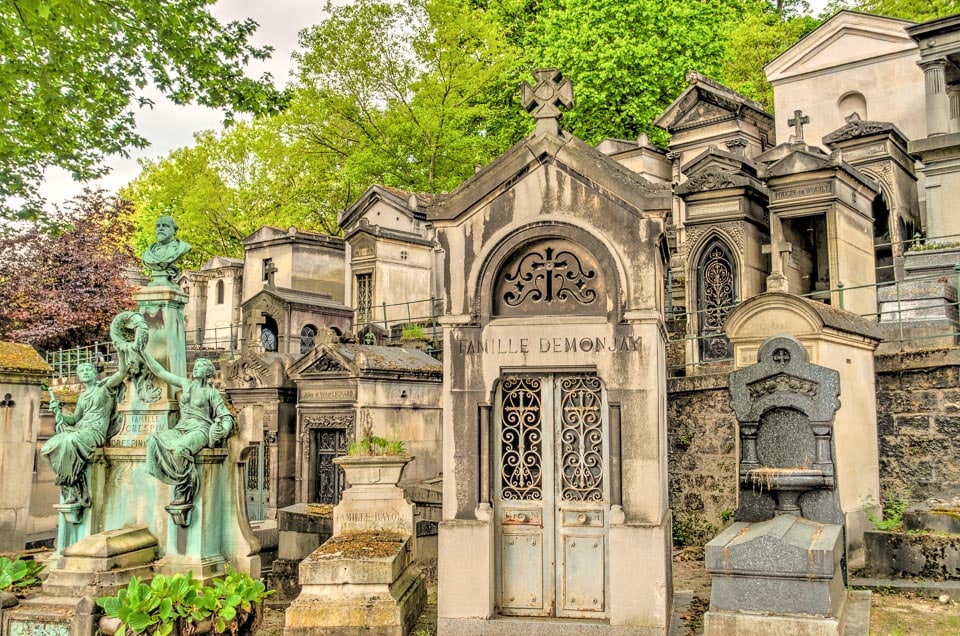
701 431
918 422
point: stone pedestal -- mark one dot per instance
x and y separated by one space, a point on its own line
364 580
197 546
51 616
102 564
788 566
344 596
163 309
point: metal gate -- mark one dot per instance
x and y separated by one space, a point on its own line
329 443
551 496
258 483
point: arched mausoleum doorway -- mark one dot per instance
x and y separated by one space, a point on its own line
550 495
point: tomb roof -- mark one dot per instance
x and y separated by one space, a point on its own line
221 261
268 235
409 203
360 358
707 101
21 358
539 149
300 297
845 39
856 127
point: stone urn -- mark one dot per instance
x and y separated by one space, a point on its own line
373 470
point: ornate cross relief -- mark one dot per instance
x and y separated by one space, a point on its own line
549 277
543 99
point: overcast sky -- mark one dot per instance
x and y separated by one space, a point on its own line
167 126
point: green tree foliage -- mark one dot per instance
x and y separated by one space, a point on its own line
404 93
915 10
229 184
72 73
628 58
754 41
63 289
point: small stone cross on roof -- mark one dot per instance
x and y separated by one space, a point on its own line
799 119
542 100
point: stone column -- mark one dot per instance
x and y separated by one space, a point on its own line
953 93
938 104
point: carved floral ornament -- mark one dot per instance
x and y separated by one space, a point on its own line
553 276
711 179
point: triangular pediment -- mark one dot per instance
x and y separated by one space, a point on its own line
386 207
564 152
321 359
706 102
362 246
715 159
848 38
798 163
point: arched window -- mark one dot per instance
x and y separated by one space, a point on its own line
219 292
269 333
716 294
851 103
307 337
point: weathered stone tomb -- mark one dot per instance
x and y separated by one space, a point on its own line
555 516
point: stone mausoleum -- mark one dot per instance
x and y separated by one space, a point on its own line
554 449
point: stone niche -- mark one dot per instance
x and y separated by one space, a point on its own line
838 340
555 510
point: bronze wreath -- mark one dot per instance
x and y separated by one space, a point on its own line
129 331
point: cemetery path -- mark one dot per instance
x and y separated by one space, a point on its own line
892 614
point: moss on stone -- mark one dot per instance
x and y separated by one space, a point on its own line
20 357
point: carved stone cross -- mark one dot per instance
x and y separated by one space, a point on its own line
542 100
777 280
799 119
269 271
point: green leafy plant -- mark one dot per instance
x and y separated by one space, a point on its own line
371 445
16 574
182 602
891 519
413 331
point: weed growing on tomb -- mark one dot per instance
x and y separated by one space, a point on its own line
894 506
372 446
369 445
17 574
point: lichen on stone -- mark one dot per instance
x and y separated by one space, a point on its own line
20 357
374 544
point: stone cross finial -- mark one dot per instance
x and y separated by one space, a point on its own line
542 100
269 271
799 119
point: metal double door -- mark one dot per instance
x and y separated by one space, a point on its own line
551 495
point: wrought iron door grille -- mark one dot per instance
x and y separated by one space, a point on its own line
330 443
520 438
716 302
364 297
581 439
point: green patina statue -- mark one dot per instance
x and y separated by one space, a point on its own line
204 422
81 433
161 257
